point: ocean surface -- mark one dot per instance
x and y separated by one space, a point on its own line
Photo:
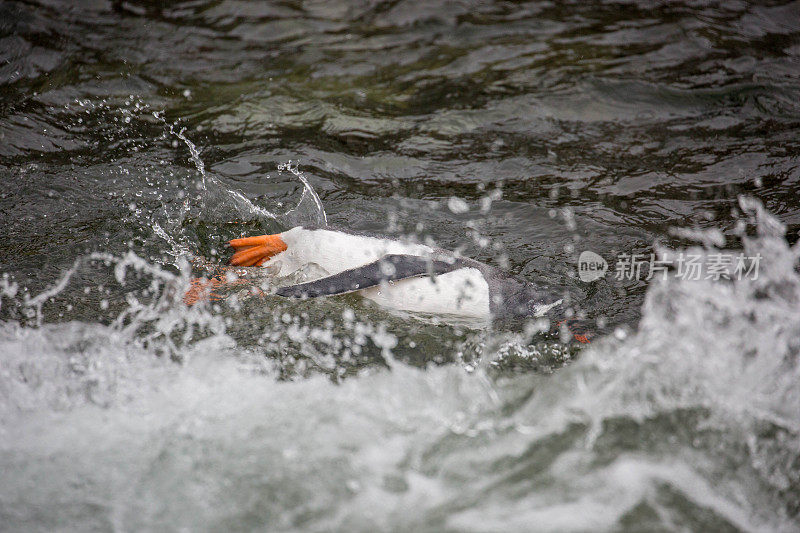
137 137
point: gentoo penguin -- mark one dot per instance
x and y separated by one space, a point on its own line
395 274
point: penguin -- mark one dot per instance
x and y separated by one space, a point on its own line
395 274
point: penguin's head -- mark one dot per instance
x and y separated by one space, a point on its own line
527 301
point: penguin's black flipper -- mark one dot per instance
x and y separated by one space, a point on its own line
392 267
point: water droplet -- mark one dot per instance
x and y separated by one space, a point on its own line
457 205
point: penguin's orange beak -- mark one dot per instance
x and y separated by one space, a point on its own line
254 251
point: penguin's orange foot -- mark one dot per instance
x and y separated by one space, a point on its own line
213 289
203 289
583 338
254 251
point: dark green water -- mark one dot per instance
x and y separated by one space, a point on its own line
520 134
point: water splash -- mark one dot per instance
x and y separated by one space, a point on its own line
153 316
212 185
243 207
318 218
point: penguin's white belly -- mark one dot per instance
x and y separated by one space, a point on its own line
463 292
335 251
